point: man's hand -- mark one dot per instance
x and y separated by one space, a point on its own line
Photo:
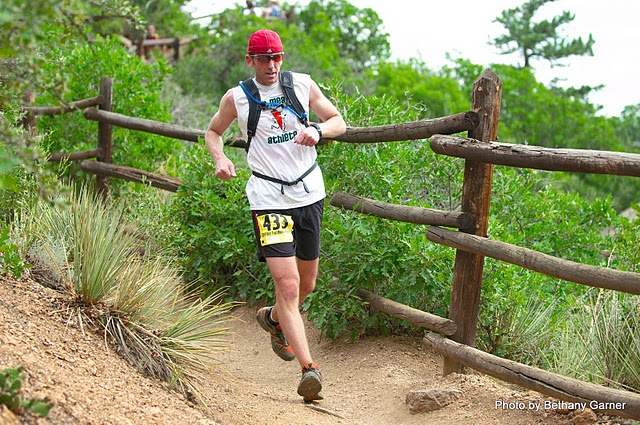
225 170
308 137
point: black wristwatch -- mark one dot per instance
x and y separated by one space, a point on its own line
317 127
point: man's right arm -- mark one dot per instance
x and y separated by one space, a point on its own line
220 122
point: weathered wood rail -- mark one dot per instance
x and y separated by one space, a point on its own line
596 397
550 159
597 277
408 214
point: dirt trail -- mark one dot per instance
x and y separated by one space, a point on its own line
366 382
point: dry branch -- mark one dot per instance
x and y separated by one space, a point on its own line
618 402
598 277
131 174
404 213
73 106
323 410
525 156
410 314
416 130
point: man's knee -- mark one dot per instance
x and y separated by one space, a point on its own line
287 288
307 286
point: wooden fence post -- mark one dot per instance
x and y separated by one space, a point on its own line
29 120
104 135
176 49
476 194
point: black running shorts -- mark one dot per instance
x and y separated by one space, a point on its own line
290 232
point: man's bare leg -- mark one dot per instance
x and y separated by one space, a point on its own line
284 271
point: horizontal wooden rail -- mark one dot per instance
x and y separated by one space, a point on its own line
154 127
416 130
396 132
131 174
551 159
74 156
597 397
410 314
73 106
408 214
598 277
160 42
146 125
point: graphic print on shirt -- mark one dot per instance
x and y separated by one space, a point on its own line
279 123
278 120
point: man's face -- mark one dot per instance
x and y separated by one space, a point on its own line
266 66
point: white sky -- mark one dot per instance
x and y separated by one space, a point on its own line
431 29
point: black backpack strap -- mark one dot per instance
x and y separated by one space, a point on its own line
286 81
254 109
256 105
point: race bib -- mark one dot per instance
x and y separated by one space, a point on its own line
275 228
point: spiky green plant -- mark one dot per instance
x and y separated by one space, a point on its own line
140 301
599 340
197 333
101 249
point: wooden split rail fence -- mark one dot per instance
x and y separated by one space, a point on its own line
481 153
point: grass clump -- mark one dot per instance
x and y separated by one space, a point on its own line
139 301
598 340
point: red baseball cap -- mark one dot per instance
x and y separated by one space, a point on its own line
264 41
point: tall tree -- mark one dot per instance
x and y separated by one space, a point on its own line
538 39
358 33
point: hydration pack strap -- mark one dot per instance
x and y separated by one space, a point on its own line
256 105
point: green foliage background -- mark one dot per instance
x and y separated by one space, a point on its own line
207 224
136 92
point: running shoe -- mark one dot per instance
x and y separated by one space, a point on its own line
311 383
279 342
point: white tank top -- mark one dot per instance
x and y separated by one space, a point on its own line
274 154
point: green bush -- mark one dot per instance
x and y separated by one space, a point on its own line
214 233
136 92
529 212
11 258
11 394
392 259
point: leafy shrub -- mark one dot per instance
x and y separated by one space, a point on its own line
11 394
524 207
214 236
11 258
624 253
136 92
390 258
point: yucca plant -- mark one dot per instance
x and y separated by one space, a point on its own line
614 334
101 249
141 303
600 339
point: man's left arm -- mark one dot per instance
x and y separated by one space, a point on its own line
332 124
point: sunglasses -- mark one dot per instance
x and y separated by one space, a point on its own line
267 58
